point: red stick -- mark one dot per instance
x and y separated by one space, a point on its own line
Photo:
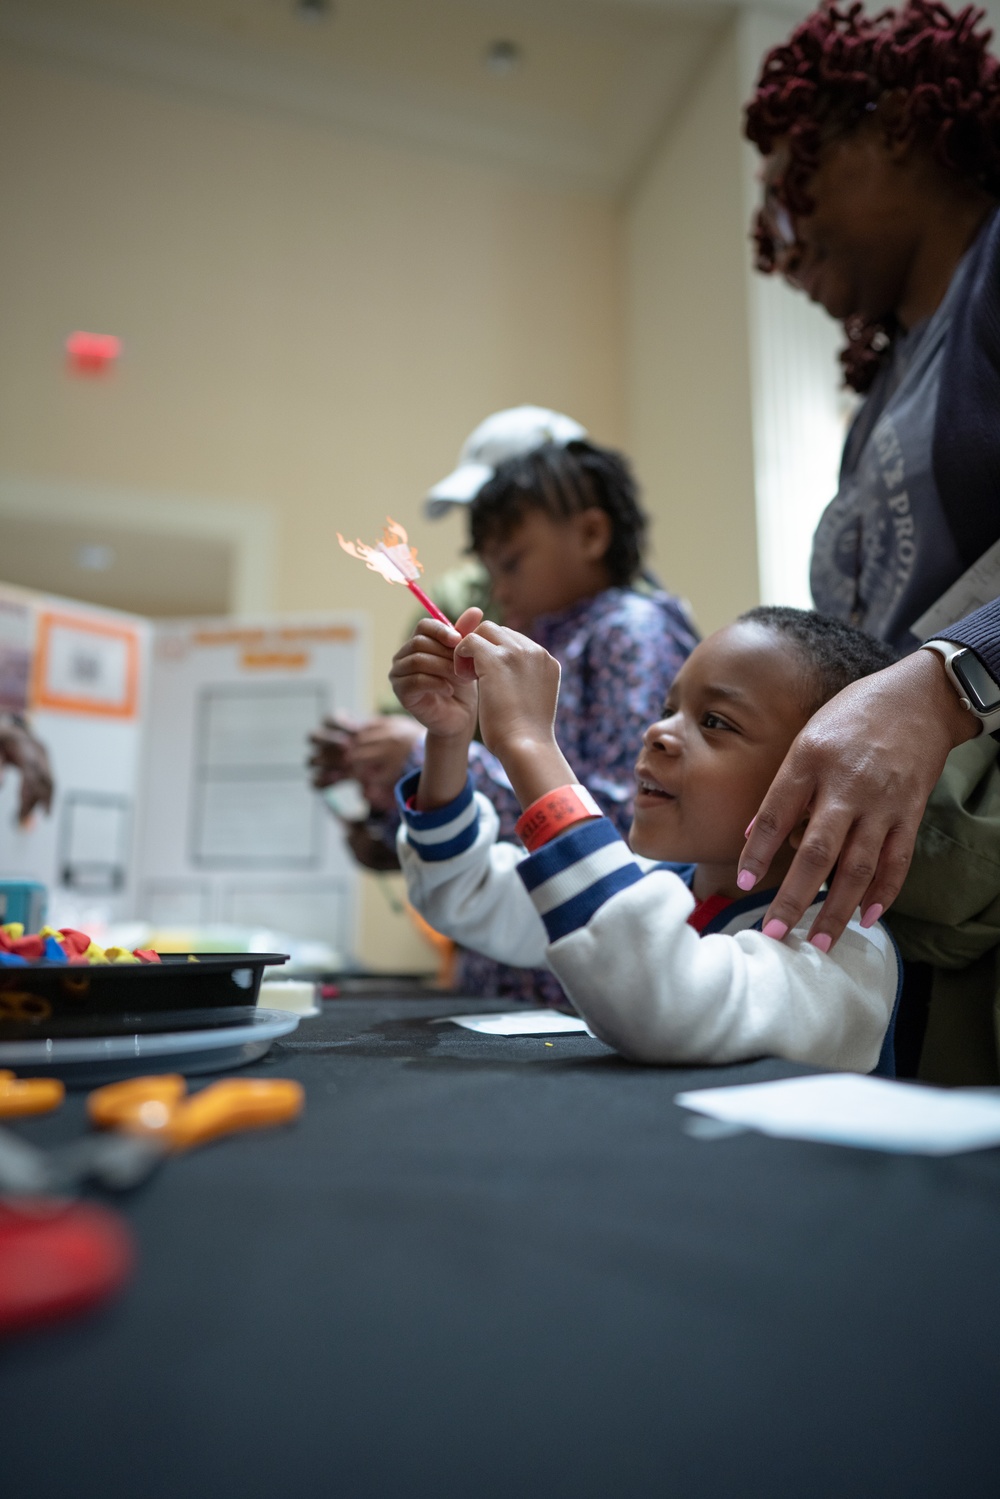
429 605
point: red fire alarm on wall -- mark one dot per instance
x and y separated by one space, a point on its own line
92 353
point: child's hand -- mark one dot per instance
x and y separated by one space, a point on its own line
19 747
425 680
518 690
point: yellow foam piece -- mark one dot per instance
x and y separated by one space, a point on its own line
120 955
14 929
95 954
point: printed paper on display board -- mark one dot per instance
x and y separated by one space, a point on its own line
234 831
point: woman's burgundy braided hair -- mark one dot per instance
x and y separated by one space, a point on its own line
832 72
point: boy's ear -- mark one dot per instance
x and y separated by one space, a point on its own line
594 527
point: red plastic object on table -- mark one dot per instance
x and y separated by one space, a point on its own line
58 1259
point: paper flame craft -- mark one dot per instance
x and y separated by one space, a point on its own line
396 561
393 556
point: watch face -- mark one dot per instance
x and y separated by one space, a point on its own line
983 691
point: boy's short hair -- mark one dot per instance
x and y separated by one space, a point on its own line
561 480
833 653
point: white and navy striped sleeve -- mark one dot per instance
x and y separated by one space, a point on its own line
615 933
650 986
443 833
463 881
571 877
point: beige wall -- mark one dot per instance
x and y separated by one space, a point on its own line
688 358
312 321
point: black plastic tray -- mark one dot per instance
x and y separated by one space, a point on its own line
62 999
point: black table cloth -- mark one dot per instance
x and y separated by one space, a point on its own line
486 1267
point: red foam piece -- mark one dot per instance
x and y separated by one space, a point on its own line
146 955
28 947
74 942
56 1260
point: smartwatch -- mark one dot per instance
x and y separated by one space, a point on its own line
977 690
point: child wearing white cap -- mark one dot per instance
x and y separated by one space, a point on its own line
504 435
556 521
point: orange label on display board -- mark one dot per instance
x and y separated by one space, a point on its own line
317 632
85 666
287 634
274 660
229 636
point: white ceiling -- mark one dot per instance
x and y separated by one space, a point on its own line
597 84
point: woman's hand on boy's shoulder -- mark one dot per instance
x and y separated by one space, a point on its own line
518 687
861 772
425 680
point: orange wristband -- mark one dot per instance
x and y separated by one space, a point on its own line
554 812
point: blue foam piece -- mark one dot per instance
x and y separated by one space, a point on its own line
53 952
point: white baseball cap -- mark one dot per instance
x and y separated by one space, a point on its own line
505 434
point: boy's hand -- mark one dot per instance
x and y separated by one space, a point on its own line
429 684
518 692
518 688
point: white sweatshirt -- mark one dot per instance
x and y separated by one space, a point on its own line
614 930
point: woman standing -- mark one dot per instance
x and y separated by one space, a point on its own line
881 145
881 184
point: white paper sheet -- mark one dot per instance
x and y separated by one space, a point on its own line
870 1112
231 833
251 822
523 1023
979 585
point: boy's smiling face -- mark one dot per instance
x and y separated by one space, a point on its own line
736 705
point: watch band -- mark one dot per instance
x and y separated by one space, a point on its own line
948 650
554 812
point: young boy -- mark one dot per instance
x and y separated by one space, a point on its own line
666 965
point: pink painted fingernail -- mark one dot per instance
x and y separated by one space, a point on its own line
749 826
746 880
776 929
822 940
872 915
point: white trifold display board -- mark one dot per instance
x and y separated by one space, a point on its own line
230 830
178 749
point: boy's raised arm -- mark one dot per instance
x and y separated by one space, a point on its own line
444 700
518 692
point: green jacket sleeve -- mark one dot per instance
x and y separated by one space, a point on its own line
948 912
